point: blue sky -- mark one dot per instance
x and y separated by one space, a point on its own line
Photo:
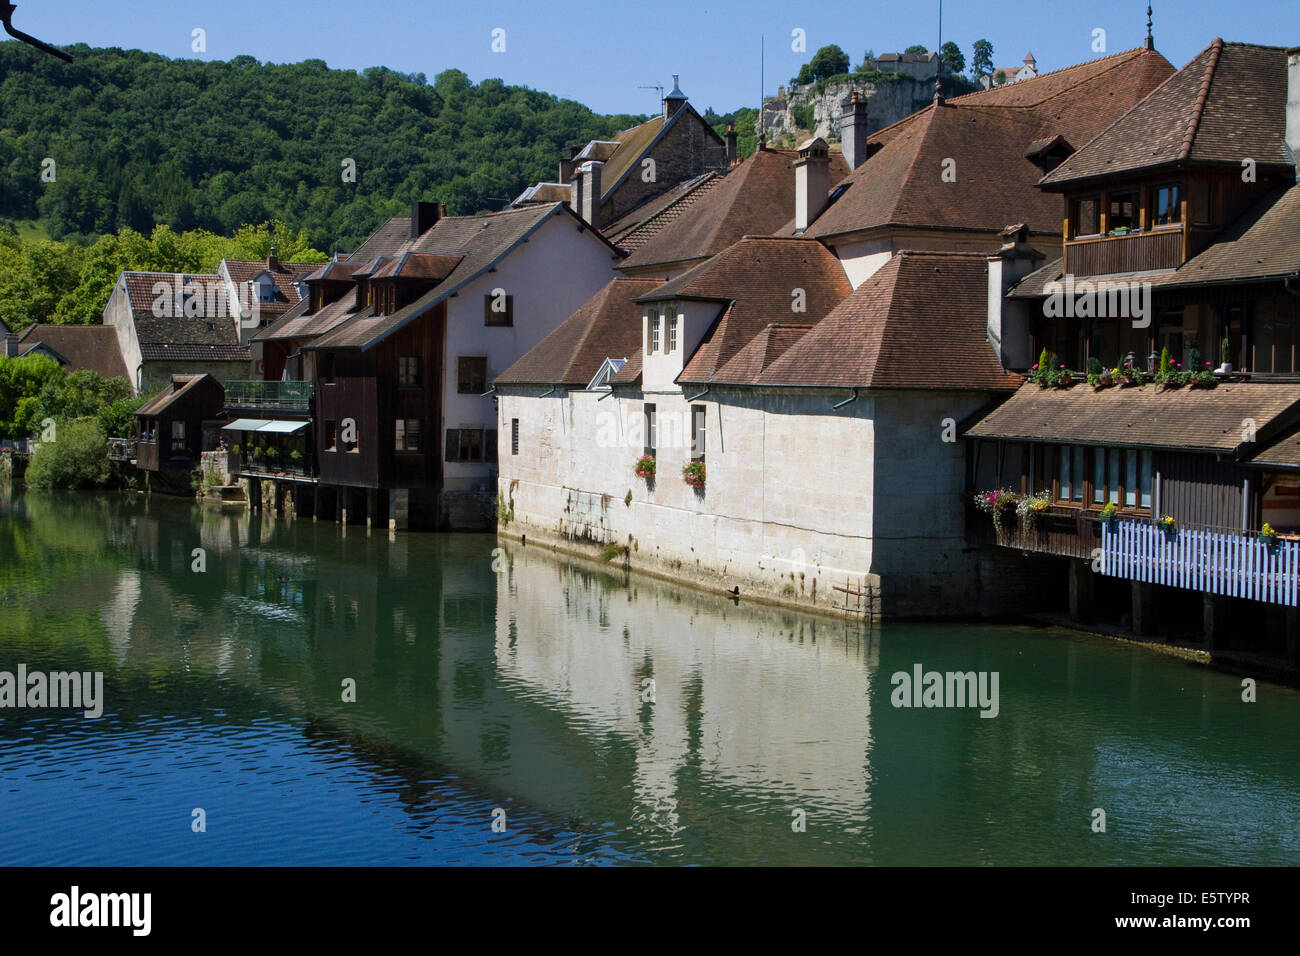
599 53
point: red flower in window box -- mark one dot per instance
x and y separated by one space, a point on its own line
693 473
645 467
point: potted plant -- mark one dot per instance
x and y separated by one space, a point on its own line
1128 374
257 451
999 503
1169 526
295 456
693 473
645 467
1108 513
1225 353
1268 535
1202 377
236 449
1030 507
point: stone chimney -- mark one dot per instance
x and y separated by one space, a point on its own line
423 216
812 181
853 130
1293 103
1009 320
272 260
590 174
731 143
675 99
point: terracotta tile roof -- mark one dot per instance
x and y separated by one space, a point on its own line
334 271
645 221
211 336
140 288
987 133
93 347
480 241
756 277
242 271
918 322
755 198
1229 103
1192 419
763 349
606 326
192 352
1262 244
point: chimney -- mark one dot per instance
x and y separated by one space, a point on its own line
853 130
675 99
1293 103
590 210
1009 320
731 143
811 182
423 216
575 191
272 260
11 345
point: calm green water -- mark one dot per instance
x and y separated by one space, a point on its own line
524 689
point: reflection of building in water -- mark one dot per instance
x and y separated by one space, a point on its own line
690 679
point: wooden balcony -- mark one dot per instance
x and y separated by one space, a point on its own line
1118 255
1065 532
275 395
1233 565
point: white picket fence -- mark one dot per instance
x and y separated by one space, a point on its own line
1233 565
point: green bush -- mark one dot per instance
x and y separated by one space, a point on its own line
77 458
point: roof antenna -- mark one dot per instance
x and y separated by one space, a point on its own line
6 15
1151 43
938 77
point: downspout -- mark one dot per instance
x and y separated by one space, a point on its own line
851 398
698 394
548 391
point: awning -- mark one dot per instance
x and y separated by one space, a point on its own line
283 427
246 425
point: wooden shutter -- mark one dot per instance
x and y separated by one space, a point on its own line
453 444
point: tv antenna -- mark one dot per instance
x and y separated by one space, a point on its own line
654 86
6 15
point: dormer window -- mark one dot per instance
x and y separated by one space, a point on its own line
1087 221
1168 205
1123 211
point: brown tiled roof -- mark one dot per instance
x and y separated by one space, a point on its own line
334 271
241 271
757 277
645 221
419 265
755 198
1228 104
632 144
481 241
987 134
1263 244
386 240
192 352
181 385
1283 453
1207 420
918 322
181 337
606 326
297 324
93 347
763 349
140 288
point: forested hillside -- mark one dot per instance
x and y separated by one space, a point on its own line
138 140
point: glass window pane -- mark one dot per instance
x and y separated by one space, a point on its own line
1063 473
1098 475
1077 489
1130 478
1112 475
1144 479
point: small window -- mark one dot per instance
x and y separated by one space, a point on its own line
470 447
698 422
649 429
654 333
1086 221
514 436
1144 480
178 436
408 370
1168 206
672 333
498 309
471 375
331 435
1123 211
407 434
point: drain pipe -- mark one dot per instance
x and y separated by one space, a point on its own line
698 394
548 391
851 398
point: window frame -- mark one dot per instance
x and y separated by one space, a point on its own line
411 378
464 386
403 431
493 319
1177 207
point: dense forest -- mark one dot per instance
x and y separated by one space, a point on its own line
137 140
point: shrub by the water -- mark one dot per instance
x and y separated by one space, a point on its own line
77 458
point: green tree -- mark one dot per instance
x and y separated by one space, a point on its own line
22 380
829 61
77 458
982 61
916 48
951 56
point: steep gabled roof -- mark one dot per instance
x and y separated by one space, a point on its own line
608 325
140 287
757 279
755 198
211 336
986 135
1228 104
286 274
93 347
480 242
918 322
181 387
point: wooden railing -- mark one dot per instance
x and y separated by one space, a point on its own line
1117 255
1234 565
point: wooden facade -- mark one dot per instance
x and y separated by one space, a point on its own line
171 423
366 388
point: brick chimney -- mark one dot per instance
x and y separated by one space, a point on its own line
272 260
590 173
853 130
812 181
1293 103
731 143
423 216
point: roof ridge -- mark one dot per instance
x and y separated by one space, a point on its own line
1202 95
